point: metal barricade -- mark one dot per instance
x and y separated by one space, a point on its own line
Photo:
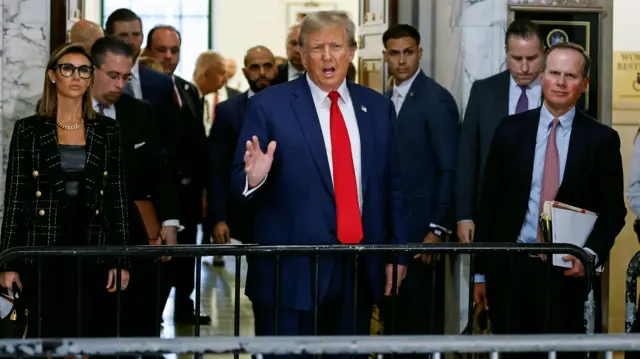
238 251
260 346
633 271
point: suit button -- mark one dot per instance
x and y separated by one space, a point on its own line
36 174
41 212
38 193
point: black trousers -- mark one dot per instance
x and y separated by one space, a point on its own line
533 297
419 306
181 271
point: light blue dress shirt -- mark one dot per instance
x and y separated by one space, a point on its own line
529 231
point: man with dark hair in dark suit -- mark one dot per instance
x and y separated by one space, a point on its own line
148 176
149 85
551 153
428 136
163 44
293 68
225 216
512 91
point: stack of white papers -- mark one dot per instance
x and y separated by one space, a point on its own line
569 225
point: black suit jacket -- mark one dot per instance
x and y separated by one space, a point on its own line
148 177
223 140
592 180
192 163
157 88
488 104
428 139
283 74
231 92
34 189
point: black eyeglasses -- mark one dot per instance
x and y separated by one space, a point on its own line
67 70
117 76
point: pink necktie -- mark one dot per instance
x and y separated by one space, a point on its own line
551 171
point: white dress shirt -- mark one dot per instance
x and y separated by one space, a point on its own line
292 73
110 111
136 84
175 89
400 92
323 108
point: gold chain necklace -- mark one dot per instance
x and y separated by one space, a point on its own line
70 127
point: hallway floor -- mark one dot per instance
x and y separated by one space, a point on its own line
217 301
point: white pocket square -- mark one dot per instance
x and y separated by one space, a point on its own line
138 145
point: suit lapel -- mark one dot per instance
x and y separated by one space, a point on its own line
146 86
307 116
366 135
48 155
502 93
576 152
527 139
410 98
183 90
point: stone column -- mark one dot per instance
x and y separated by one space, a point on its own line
25 52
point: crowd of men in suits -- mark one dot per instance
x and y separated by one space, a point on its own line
307 157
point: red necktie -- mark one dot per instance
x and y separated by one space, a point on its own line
344 178
213 108
176 97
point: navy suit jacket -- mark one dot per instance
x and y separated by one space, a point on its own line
157 88
222 142
296 203
428 138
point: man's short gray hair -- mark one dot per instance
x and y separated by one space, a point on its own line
320 20
206 60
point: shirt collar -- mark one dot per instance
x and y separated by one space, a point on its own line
135 70
405 86
533 85
320 96
566 120
95 104
291 71
250 93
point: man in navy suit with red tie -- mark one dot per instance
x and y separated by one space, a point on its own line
317 161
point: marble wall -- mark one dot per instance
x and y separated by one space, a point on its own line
470 36
25 52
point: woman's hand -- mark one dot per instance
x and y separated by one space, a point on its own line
8 278
111 281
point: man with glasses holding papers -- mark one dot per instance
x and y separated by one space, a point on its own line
580 167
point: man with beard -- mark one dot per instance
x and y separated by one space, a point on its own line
147 175
260 71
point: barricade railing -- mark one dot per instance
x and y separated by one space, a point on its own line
261 346
633 271
238 251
